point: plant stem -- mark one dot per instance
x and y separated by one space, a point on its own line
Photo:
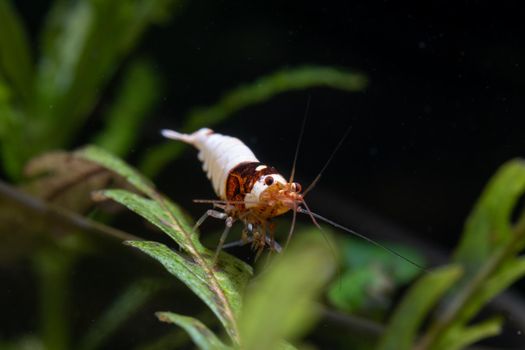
461 299
54 215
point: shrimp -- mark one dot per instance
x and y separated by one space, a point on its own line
249 190
252 192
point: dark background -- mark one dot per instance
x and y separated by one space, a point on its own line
443 110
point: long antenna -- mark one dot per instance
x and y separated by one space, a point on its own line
301 133
341 141
357 234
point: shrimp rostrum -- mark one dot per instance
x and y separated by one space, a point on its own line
249 191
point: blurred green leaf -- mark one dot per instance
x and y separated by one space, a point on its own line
370 276
360 289
25 342
123 307
15 56
488 251
53 266
406 320
220 287
513 270
268 86
245 95
137 96
201 335
463 337
281 304
79 58
11 124
118 166
173 339
489 226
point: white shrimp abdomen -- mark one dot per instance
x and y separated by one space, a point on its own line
218 153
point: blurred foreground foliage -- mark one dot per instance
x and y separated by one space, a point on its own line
46 99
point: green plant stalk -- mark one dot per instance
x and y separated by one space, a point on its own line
138 93
424 294
471 334
199 333
136 295
15 52
451 316
53 267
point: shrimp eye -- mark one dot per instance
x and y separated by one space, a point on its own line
268 181
296 187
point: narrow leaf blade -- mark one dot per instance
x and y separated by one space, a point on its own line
252 93
154 213
488 227
463 337
109 161
403 325
137 96
199 333
15 55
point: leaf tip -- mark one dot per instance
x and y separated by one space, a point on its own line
162 316
99 196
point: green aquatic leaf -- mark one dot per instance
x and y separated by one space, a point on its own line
199 333
118 166
282 303
487 250
276 83
15 54
124 306
371 276
79 58
222 297
136 98
406 320
489 226
465 336
220 286
161 215
505 276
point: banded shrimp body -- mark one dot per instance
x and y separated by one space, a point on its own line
253 192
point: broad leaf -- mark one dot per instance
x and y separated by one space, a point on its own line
281 304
